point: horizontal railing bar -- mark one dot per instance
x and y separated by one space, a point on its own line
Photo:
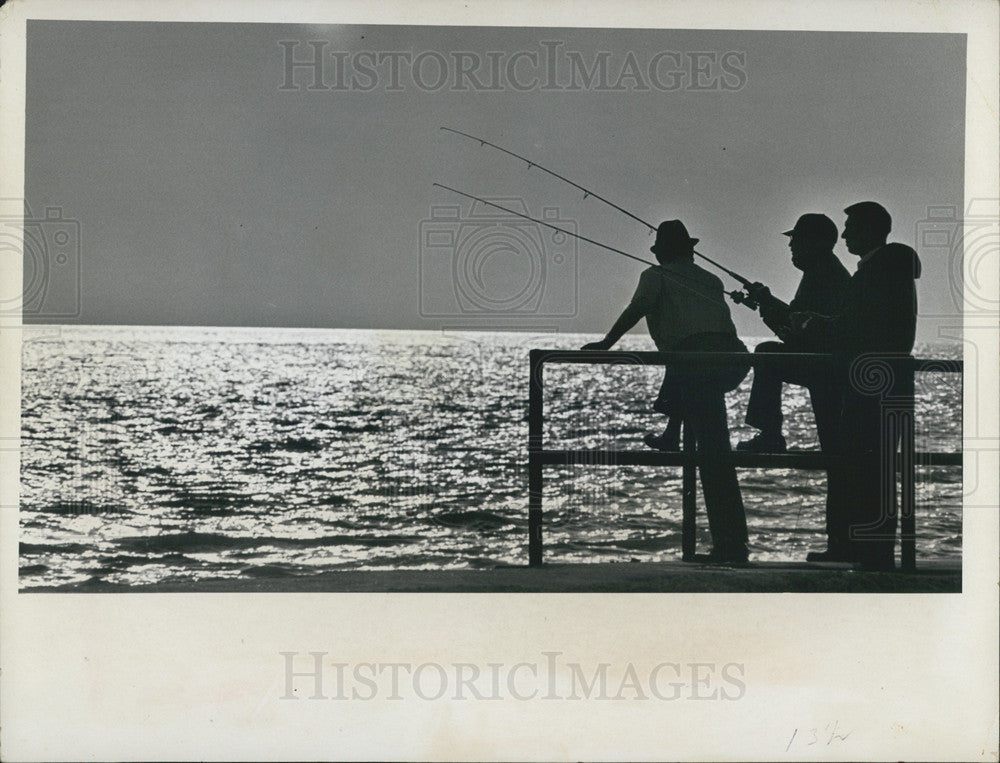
648 357
795 460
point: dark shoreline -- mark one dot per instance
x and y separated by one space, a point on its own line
663 577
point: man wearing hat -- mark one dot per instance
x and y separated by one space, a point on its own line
820 291
685 311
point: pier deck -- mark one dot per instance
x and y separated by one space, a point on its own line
625 577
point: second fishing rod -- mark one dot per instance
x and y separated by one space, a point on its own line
737 296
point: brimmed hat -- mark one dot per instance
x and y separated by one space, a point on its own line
816 227
672 235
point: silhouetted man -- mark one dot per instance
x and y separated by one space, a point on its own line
821 291
685 311
878 322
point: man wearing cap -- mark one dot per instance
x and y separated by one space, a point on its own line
685 311
820 291
878 322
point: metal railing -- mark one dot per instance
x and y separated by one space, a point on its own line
905 461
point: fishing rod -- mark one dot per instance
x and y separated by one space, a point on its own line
547 225
531 164
673 276
737 296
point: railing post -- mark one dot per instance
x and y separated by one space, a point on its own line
688 491
535 418
907 476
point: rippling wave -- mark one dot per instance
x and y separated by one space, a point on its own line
151 454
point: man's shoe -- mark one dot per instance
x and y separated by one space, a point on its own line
830 555
733 555
763 444
659 442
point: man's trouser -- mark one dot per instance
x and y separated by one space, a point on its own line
705 412
826 394
699 390
764 407
862 502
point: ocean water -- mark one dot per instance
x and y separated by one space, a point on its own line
153 454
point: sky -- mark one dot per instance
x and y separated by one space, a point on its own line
208 184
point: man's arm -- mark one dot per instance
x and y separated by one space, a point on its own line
818 330
773 311
630 316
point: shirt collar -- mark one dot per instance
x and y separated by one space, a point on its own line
869 255
678 263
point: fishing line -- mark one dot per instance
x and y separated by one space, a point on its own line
673 276
587 192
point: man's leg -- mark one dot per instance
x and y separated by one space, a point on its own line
764 407
669 401
839 479
871 493
854 497
706 410
827 395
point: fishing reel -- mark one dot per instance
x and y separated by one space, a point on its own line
744 298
